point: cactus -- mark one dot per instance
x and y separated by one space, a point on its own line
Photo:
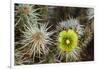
52 34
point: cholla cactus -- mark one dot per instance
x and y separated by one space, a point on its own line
71 24
35 40
68 44
34 43
90 13
25 13
70 32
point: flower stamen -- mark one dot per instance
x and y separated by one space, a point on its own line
67 41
